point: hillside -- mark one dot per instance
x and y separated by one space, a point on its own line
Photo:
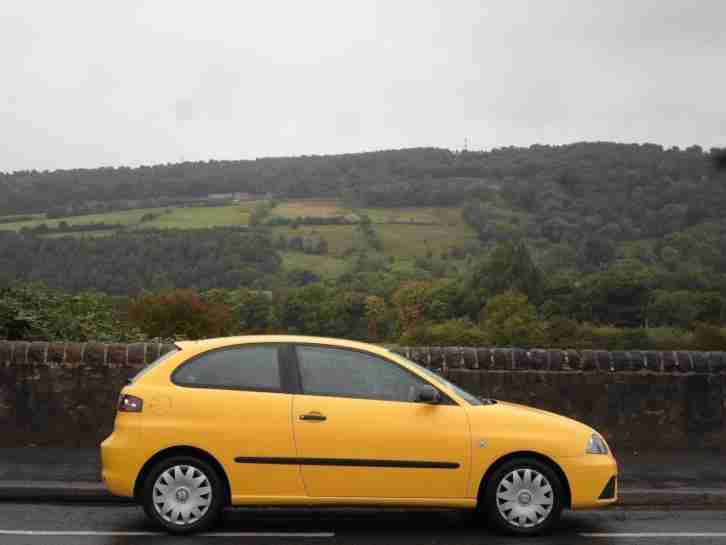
579 207
589 245
425 176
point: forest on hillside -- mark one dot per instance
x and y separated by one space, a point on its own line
559 176
587 245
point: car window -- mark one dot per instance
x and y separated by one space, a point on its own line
244 368
154 364
471 399
347 373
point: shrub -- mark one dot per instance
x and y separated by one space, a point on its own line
180 314
708 337
457 332
510 320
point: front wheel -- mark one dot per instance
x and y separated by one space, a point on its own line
524 497
183 494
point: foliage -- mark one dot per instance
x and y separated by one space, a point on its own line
261 212
33 311
709 337
509 267
610 245
126 263
410 301
509 319
682 308
251 309
457 332
180 314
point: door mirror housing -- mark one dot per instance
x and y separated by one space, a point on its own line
429 394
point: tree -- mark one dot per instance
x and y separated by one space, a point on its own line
180 314
510 320
509 267
618 295
410 301
597 252
375 311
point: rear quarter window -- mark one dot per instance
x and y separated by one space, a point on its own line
154 364
254 368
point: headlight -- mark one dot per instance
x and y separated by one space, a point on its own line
596 445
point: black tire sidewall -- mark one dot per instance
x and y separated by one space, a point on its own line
490 504
212 514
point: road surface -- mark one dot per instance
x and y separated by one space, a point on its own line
76 524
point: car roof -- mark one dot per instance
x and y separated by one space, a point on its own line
221 342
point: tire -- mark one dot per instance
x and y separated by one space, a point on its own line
523 497
195 495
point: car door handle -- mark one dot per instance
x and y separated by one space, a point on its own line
316 417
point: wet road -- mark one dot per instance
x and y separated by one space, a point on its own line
35 524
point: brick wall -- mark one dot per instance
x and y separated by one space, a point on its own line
64 394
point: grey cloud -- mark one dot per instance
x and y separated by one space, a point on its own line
88 83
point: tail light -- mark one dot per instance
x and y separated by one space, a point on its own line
130 404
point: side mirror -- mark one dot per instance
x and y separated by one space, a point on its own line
428 394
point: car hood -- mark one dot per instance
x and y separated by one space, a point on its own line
520 427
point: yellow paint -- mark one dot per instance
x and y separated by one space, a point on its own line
229 423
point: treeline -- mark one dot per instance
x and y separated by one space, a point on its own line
504 299
128 262
424 176
65 227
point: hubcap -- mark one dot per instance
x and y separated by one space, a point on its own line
525 498
182 495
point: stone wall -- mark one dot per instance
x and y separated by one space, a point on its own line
64 394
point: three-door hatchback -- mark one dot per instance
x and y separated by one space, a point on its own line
303 421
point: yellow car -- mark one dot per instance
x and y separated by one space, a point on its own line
304 421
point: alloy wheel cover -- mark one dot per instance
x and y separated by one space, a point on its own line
525 498
182 495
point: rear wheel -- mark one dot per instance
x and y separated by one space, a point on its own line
523 497
183 494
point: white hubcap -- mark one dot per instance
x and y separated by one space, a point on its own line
182 495
525 498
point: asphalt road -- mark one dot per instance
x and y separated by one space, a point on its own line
35 524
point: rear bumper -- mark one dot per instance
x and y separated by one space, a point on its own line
122 456
593 480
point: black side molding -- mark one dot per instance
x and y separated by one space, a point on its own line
347 462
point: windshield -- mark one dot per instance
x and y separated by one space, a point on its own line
469 398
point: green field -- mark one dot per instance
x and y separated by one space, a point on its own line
318 208
199 218
405 233
176 218
417 240
340 238
323 265
84 234
445 215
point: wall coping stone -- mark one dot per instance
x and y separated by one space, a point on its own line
479 358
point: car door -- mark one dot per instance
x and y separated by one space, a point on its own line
360 433
235 404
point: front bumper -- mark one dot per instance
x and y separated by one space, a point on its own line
593 480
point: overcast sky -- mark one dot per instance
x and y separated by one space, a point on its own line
94 83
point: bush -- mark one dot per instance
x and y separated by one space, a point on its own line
450 333
180 314
708 337
669 338
608 337
510 320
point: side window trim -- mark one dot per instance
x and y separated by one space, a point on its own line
289 370
284 382
445 398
